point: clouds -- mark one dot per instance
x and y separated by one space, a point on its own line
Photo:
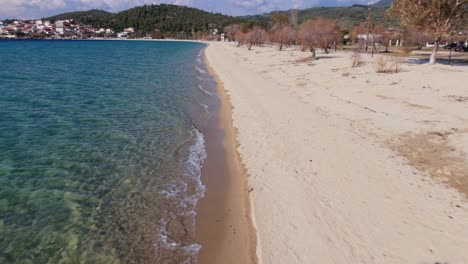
248 3
15 8
43 8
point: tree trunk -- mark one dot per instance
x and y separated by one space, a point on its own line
314 55
434 53
281 47
250 45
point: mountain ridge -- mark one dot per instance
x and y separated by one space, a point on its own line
173 18
346 16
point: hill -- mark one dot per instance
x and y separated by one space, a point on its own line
383 3
164 18
174 19
92 17
169 18
347 17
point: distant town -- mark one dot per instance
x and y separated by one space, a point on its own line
60 29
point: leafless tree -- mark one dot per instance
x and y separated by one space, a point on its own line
257 36
241 38
355 34
382 36
417 35
320 32
232 30
284 36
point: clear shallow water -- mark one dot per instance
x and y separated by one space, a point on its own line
99 159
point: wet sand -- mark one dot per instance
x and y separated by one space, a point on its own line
224 226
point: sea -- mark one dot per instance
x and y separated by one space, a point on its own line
101 150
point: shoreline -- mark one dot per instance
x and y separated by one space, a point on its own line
224 219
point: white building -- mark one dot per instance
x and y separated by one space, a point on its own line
129 30
122 35
371 36
59 27
38 22
109 31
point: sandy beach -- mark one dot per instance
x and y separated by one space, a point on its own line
346 165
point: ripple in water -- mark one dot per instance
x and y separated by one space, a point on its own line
99 159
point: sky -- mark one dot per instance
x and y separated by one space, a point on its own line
28 9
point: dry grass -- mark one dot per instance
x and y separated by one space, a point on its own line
387 64
432 153
356 60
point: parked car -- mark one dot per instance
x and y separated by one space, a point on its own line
461 48
450 46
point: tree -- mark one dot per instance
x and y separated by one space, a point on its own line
382 36
319 32
257 36
284 36
294 17
438 16
357 31
278 21
281 31
241 38
232 30
417 35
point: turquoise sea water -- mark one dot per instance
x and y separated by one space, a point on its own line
99 158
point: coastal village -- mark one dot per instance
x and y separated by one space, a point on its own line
60 29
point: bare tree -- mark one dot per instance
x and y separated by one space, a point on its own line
438 16
232 30
284 36
382 36
257 36
417 35
307 37
320 32
241 38
356 34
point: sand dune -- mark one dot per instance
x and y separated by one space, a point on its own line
347 165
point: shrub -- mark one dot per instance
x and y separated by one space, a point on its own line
387 64
356 60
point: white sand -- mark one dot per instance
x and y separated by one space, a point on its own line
330 155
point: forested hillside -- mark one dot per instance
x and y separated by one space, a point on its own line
148 18
92 17
346 17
